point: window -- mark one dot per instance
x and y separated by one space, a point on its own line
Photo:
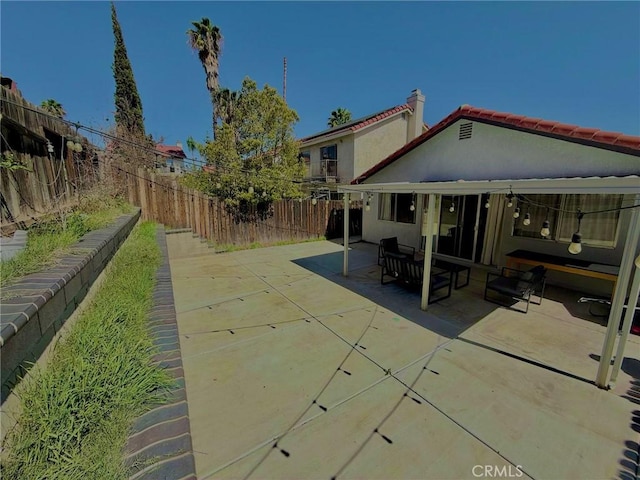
597 229
396 207
538 215
330 152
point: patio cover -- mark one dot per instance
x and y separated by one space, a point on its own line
629 185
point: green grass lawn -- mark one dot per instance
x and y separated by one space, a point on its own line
77 410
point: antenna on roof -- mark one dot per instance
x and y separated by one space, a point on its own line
284 80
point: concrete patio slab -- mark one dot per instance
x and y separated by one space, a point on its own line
352 380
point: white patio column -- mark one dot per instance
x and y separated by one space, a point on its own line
619 296
345 256
626 325
428 245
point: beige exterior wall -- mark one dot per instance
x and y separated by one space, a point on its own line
359 151
377 142
494 153
345 157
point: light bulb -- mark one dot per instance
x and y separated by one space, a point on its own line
251 190
300 200
516 213
527 219
637 262
545 231
412 207
71 145
314 201
367 207
77 147
264 193
509 201
49 147
218 186
576 244
487 204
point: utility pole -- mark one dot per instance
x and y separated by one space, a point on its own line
284 81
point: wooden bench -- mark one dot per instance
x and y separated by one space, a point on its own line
409 274
561 264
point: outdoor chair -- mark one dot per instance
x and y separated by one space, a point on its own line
517 284
391 245
409 273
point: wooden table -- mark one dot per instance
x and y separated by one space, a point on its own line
561 264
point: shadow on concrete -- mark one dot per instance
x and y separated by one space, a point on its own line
448 318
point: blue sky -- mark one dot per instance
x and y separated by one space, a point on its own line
577 63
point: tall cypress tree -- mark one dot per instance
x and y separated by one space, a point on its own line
128 105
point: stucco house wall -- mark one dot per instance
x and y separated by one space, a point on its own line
379 141
345 149
494 153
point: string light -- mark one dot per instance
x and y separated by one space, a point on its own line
545 231
452 208
510 200
527 219
251 190
516 212
367 205
487 203
576 239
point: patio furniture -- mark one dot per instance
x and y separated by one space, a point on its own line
409 274
391 245
456 269
517 284
575 266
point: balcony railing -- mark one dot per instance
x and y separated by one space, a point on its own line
326 171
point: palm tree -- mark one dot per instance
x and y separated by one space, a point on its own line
225 105
339 116
192 145
53 107
205 38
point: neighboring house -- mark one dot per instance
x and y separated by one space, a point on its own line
476 156
170 158
339 154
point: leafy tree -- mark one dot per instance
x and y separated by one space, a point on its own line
339 116
128 104
254 156
53 107
206 39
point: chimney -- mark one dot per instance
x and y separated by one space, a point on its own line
414 126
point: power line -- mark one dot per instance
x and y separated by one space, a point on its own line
145 148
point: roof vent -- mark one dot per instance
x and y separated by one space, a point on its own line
466 129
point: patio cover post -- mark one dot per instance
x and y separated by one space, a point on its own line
618 298
626 325
428 245
345 256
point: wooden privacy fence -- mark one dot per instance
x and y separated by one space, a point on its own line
164 200
51 179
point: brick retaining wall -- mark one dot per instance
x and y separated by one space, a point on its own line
36 307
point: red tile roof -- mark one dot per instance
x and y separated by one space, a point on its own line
171 150
360 122
574 133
